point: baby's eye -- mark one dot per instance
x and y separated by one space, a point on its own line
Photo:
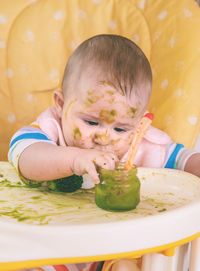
94 123
119 130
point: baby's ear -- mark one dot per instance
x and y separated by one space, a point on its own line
59 101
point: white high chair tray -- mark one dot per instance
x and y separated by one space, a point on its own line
37 224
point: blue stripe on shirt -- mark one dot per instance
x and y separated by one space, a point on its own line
171 162
29 136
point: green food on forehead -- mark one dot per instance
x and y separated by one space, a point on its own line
108 116
92 97
133 111
90 100
119 190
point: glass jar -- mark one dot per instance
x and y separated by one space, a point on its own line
118 190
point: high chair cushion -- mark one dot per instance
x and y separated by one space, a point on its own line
37 37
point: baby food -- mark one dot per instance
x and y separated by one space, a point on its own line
118 190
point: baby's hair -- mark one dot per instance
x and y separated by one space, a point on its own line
116 58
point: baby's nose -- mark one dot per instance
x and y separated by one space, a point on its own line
102 138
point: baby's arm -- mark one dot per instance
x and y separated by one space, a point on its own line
181 158
193 164
43 161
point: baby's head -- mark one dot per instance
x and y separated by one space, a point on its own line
106 90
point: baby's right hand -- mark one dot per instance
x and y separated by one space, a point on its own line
87 161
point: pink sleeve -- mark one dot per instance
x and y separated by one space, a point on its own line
50 123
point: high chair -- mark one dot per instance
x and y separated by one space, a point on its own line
36 39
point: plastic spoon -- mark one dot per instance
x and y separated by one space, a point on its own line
139 134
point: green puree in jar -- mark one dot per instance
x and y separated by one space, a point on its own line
118 190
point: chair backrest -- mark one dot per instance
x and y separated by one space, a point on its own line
37 37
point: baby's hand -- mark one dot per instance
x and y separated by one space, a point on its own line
87 161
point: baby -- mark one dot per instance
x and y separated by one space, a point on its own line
105 92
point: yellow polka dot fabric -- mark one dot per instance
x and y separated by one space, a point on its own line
37 37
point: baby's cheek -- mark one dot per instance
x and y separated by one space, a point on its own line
82 137
77 135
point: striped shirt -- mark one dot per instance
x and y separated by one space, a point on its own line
47 128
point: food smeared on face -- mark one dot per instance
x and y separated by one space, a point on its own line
110 92
106 83
98 115
103 137
115 141
68 107
108 116
130 137
92 98
77 133
133 111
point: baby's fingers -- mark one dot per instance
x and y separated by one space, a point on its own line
91 170
106 161
112 159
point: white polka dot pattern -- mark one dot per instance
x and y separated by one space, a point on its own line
37 37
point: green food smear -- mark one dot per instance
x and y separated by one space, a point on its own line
108 116
133 111
34 203
162 210
77 133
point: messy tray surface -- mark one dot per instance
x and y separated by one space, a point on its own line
161 191
31 220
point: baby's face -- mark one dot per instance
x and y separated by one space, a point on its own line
97 116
